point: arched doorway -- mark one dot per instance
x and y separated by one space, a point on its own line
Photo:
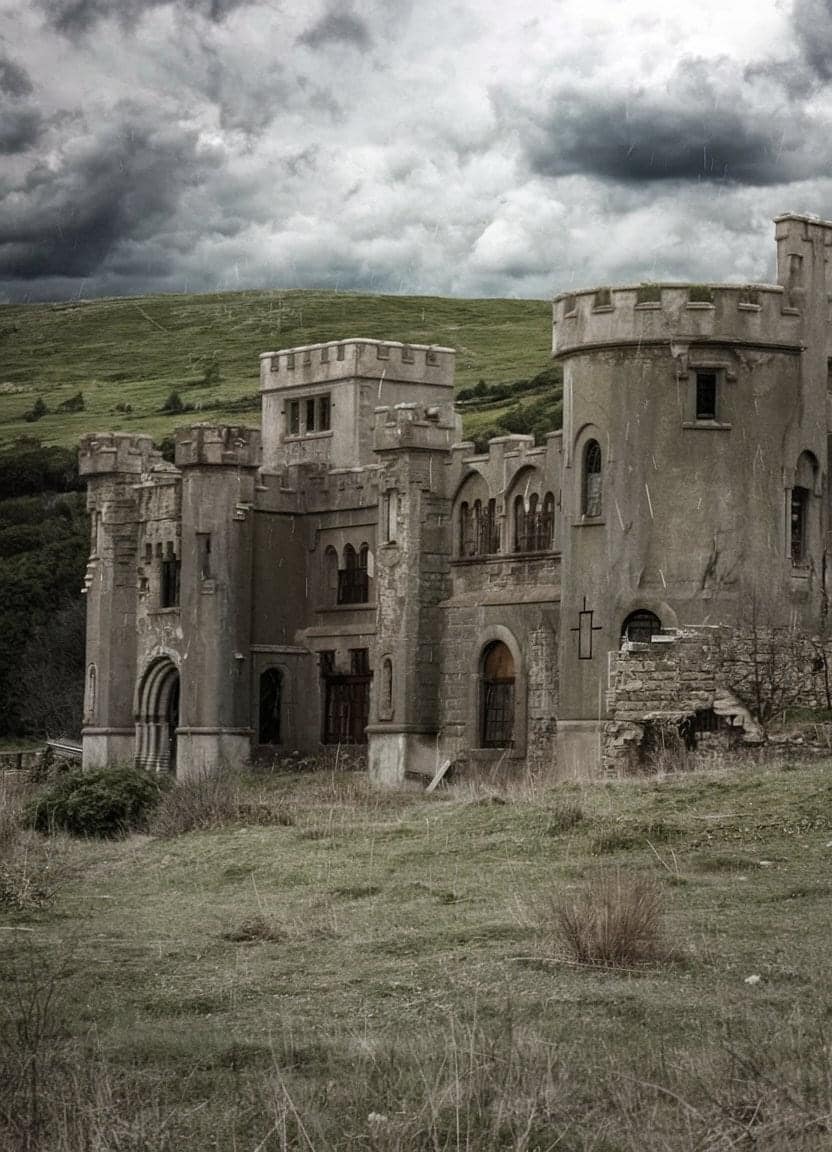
158 717
271 694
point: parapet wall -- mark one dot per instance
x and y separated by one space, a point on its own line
415 426
751 314
348 359
103 453
221 444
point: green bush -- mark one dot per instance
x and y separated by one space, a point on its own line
106 803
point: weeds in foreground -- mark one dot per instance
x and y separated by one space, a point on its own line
214 800
615 921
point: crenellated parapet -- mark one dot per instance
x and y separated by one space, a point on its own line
762 315
415 426
506 460
356 358
228 445
108 453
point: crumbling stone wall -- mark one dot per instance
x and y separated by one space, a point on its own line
712 686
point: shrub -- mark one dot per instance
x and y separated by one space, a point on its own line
564 818
615 921
106 803
73 404
37 410
175 404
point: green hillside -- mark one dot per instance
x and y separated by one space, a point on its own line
125 357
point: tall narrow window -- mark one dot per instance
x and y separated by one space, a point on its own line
330 574
203 554
799 519
706 395
386 693
310 415
496 696
591 497
169 582
324 413
548 522
466 535
293 418
271 692
391 516
519 524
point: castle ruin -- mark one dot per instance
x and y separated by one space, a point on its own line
353 571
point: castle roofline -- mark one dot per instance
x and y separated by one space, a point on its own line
351 340
804 218
744 286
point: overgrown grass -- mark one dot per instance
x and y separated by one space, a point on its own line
376 975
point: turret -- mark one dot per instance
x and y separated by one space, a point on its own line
413 556
219 467
113 464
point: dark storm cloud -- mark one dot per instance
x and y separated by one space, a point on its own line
20 129
122 187
74 17
702 127
14 80
812 20
339 25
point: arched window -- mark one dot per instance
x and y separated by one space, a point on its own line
799 516
363 573
386 693
548 522
353 579
271 692
591 495
496 696
465 539
331 575
640 626
519 524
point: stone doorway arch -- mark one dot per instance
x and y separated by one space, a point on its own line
157 717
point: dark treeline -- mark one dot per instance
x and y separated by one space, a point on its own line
44 543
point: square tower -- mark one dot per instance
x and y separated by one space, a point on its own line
318 401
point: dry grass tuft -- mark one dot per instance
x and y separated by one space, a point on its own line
215 800
254 929
614 921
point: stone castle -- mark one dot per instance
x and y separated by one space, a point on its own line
354 571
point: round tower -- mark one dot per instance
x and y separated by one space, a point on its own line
695 453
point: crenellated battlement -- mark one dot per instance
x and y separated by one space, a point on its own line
431 428
229 445
759 314
105 453
356 358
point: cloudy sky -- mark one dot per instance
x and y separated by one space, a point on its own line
459 147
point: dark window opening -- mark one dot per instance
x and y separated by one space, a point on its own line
640 627
324 414
353 578
497 697
310 415
327 659
271 692
799 518
386 700
359 661
203 553
293 422
533 525
591 496
169 583
706 395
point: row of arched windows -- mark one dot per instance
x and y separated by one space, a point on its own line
532 529
348 582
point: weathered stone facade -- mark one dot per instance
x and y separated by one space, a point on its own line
354 570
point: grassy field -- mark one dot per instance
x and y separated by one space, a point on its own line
338 969
132 353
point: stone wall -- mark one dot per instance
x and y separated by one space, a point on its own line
709 687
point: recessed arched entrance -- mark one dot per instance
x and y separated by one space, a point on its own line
158 717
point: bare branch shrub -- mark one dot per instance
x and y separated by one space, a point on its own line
614 921
214 800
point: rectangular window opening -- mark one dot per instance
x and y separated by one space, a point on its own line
169 583
293 421
203 555
706 384
324 414
310 415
